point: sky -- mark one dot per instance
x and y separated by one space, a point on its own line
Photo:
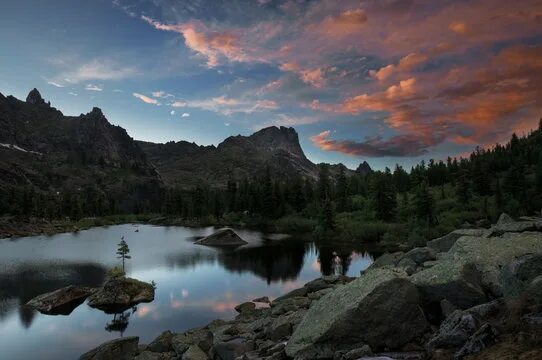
382 81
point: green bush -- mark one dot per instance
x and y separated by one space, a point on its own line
295 224
115 272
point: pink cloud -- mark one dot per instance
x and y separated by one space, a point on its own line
146 99
209 44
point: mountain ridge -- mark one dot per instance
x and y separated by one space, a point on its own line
93 147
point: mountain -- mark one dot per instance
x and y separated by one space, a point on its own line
237 157
364 168
42 149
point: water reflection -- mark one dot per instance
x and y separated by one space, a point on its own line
120 322
21 283
196 284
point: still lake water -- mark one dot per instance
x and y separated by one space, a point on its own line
195 284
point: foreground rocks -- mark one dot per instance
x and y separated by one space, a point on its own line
381 309
476 294
120 294
62 301
223 237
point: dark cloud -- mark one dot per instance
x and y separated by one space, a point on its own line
396 146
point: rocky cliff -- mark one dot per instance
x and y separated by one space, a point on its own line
42 148
237 157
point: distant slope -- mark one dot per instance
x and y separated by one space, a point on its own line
236 157
43 149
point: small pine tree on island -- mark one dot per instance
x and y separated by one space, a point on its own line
122 251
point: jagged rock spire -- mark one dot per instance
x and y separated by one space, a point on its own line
364 168
34 97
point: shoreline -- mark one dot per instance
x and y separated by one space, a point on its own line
442 301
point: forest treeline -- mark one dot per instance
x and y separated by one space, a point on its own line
429 199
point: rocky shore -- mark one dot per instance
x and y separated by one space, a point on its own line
472 294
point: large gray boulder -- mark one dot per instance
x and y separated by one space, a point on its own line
472 268
381 308
445 243
62 301
118 349
507 224
202 338
120 294
518 274
223 237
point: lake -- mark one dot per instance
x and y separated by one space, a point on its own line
195 284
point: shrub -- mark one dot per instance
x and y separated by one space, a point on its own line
115 272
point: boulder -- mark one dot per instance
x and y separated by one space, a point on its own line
507 224
162 343
454 331
246 307
201 337
420 255
387 259
381 308
194 353
120 294
294 293
408 265
457 282
232 349
518 274
445 243
472 268
62 301
223 237
118 349
533 292
485 337
290 304
504 219
148 355
283 326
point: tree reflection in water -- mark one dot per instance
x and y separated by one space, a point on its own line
120 322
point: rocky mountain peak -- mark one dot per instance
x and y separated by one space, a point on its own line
364 168
34 97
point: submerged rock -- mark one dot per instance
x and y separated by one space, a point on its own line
120 294
62 301
118 349
223 237
381 308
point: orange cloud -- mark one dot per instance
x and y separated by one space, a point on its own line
406 63
211 45
146 99
459 27
348 22
396 146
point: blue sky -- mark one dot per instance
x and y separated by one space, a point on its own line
388 82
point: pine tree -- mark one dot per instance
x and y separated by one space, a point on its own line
327 217
423 204
323 186
383 197
122 251
341 190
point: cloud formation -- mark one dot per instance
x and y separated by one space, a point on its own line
428 72
376 146
146 99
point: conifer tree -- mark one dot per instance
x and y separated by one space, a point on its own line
122 251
